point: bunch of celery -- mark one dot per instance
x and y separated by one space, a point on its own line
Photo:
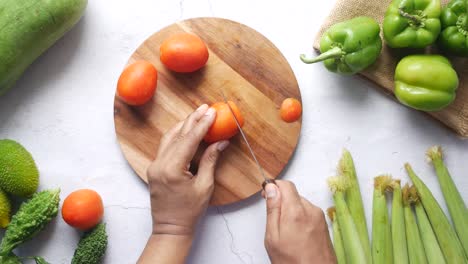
350 216
418 231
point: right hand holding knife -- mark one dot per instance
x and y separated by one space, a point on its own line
296 230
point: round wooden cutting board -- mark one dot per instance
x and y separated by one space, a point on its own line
251 71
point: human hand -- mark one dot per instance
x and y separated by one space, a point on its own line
179 198
296 230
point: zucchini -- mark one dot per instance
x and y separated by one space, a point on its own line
30 27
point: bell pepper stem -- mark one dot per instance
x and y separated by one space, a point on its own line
333 53
416 20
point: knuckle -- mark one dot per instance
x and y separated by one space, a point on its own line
317 213
152 172
298 215
180 137
161 175
271 244
212 157
320 218
269 240
205 185
165 138
192 116
207 188
271 210
289 185
286 182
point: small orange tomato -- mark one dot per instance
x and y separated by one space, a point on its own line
291 110
137 83
184 52
83 209
224 127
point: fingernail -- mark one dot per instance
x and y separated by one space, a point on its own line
202 107
222 145
210 112
270 190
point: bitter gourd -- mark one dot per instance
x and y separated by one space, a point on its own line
92 246
30 219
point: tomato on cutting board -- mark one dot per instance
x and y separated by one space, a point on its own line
137 83
184 52
291 110
83 209
224 126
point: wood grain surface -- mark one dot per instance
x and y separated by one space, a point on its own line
251 71
455 116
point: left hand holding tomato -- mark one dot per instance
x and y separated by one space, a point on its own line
179 198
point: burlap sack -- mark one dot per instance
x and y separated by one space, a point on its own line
455 116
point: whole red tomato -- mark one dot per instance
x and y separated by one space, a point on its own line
184 52
83 209
137 83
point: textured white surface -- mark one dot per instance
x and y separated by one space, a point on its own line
62 111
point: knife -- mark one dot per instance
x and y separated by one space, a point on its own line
252 153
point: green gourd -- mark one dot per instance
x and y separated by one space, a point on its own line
92 246
30 219
28 28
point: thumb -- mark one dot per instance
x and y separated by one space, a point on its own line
273 204
208 162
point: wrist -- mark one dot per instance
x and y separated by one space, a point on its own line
186 239
166 249
173 230
182 243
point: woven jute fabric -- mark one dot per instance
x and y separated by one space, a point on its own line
381 72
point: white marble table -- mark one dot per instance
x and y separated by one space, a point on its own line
62 111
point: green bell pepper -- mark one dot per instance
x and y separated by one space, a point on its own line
350 46
454 36
425 82
412 23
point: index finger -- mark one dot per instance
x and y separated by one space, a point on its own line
290 195
189 139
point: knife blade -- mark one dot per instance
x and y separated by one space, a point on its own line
249 147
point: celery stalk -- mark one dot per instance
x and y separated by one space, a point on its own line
353 198
382 251
431 246
453 199
416 251
400 248
337 240
448 240
351 242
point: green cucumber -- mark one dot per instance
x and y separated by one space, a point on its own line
30 27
